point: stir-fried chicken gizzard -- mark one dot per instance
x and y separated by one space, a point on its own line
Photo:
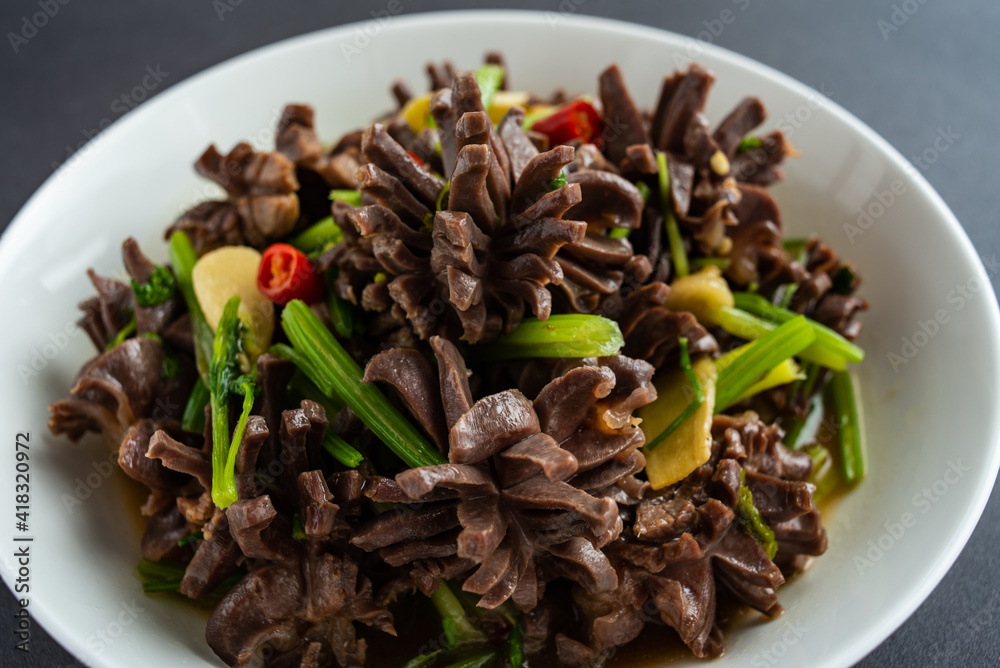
536 372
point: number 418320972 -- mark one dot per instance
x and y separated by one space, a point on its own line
22 481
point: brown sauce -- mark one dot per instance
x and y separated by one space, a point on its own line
133 495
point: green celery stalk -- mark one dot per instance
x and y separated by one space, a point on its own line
125 332
183 259
751 327
341 313
161 570
677 251
336 373
475 661
784 373
743 324
222 384
317 236
247 385
516 647
769 351
451 611
751 519
644 190
825 337
161 586
568 335
190 538
441 202
489 77
194 412
224 353
422 660
852 452
352 197
341 450
166 576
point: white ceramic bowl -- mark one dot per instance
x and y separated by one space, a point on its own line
931 423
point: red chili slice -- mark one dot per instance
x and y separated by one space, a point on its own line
576 120
286 273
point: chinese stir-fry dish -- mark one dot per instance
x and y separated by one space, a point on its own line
501 379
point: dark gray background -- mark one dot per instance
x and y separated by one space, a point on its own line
939 69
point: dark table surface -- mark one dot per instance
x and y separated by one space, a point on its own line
905 78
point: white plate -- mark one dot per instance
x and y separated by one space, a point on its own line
926 419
